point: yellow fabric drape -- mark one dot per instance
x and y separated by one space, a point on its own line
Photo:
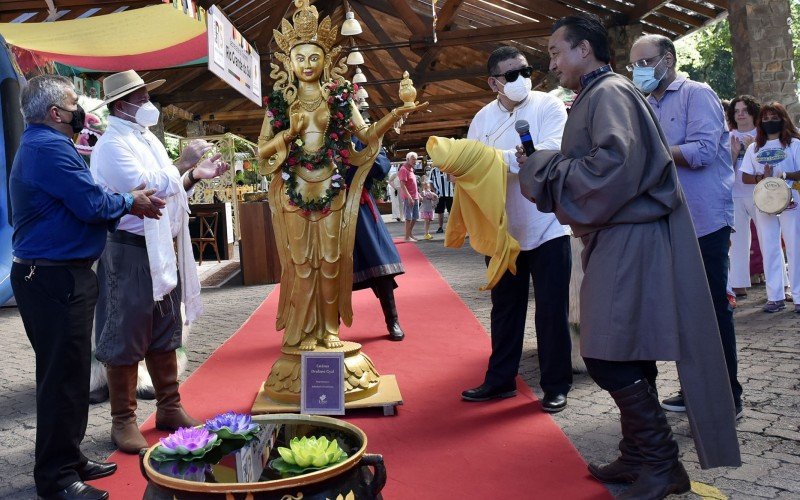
479 204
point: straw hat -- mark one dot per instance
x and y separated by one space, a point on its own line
121 84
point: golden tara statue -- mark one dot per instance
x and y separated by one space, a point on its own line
305 143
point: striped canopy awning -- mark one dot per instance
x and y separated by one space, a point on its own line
154 37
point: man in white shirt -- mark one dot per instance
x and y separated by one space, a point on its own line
544 243
138 310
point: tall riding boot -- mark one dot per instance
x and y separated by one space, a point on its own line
122 393
661 473
625 469
163 368
384 290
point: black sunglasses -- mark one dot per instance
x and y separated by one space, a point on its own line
512 75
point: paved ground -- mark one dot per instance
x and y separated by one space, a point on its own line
769 347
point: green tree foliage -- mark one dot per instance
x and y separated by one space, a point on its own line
706 55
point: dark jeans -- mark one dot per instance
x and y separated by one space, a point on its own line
615 375
57 308
549 265
714 249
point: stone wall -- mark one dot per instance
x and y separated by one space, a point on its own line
762 51
621 39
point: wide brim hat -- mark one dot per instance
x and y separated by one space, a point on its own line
121 84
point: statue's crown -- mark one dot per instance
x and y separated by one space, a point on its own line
306 29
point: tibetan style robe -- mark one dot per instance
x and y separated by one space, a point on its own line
645 294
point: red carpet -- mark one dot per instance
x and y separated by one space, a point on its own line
437 446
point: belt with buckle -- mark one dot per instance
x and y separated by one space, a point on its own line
53 263
127 238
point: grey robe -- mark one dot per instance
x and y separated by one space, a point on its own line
645 294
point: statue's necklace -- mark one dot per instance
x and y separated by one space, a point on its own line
310 105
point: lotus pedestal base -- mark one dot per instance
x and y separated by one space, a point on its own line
364 387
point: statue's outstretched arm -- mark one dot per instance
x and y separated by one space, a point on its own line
373 133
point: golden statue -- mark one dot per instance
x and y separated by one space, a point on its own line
305 143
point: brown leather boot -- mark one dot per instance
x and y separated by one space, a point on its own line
163 368
122 393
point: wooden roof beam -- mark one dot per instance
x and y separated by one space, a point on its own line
482 35
404 11
398 57
643 9
696 7
437 125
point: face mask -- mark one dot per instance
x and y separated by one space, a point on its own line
517 90
146 115
772 127
645 77
78 118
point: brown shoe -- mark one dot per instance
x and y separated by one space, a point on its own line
163 368
122 394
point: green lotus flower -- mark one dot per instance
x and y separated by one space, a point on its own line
312 452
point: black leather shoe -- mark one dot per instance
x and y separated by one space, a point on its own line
78 491
395 332
554 403
486 392
96 470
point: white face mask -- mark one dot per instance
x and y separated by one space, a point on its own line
147 114
517 90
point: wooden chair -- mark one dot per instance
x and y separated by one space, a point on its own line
207 234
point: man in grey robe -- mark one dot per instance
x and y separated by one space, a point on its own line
614 182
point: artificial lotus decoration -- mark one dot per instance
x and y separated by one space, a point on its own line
232 425
308 453
187 443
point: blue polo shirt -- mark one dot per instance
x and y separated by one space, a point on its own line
59 213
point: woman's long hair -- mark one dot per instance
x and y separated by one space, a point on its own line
788 131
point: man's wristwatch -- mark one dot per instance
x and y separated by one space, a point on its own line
191 177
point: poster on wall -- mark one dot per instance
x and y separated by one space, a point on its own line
232 58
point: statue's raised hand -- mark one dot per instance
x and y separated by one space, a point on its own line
407 109
297 125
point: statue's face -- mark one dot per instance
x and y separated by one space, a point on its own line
308 61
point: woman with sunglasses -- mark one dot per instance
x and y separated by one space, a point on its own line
776 153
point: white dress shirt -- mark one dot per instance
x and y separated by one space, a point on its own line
494 126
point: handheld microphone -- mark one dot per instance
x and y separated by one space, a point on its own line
523 129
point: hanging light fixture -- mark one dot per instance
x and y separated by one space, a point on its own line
355 58
351 26
362 104
359 77
362 93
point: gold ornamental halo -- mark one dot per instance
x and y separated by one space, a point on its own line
306 30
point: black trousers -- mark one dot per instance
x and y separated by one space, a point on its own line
57 309
549 265
615 375
714 249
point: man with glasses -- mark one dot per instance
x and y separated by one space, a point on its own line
693 121
60 223
545 248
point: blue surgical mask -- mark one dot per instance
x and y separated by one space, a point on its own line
645 77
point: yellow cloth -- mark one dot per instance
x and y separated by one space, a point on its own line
479 204
134 31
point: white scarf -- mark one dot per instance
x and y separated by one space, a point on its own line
160 251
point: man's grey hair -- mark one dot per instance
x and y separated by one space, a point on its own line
410 154
41 93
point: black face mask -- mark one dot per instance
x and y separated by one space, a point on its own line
78 118
772 127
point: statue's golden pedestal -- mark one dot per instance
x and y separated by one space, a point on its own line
364 387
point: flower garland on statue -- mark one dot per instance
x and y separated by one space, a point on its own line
336 146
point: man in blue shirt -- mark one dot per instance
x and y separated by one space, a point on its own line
691 116
60 220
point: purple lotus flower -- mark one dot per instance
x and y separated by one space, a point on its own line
188 441
336 177
231 424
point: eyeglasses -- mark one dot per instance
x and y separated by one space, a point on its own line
512 75
643 63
